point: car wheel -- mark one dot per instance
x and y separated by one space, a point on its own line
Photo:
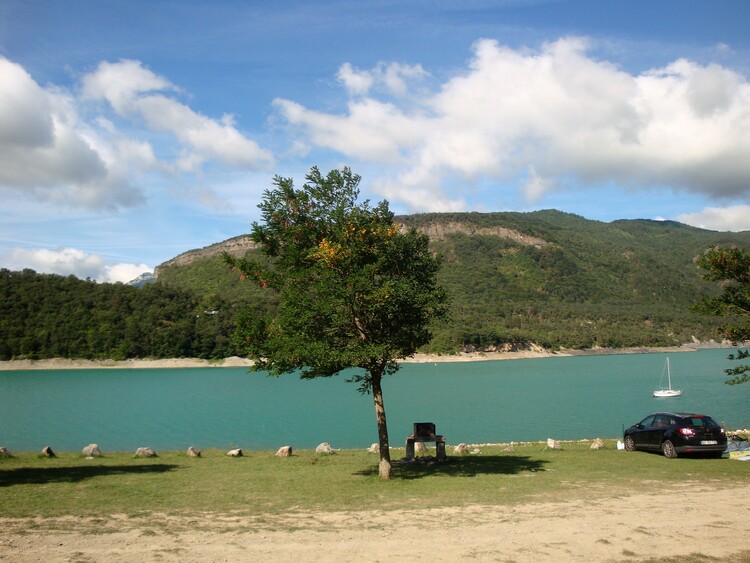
629 443
668 448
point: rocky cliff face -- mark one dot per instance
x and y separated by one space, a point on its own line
439 230
239 245
236 246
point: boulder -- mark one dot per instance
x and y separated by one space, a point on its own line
145 452
192 451
553 444
476 451
374 449
420 448
597 444
47 452
235 453
5 452
92 450
461 449
284 451
324 448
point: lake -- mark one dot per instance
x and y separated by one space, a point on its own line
473 402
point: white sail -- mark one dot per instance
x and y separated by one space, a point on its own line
668 391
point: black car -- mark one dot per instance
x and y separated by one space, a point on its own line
677 433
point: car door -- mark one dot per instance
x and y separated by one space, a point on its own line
655 434
642 430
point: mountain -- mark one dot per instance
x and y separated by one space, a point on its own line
549 278
236 246
143 279
515 281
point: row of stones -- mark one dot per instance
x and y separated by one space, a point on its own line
92 450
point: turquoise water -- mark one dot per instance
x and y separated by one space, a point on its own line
493 401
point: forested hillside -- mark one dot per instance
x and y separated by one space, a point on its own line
560 280
48 316
548 278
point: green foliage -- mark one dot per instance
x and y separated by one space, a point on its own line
48 316
559 280
354 291
619 284
730 267
210 279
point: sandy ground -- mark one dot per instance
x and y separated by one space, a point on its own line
685 519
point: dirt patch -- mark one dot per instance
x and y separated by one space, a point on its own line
677 522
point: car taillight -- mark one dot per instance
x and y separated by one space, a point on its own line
687 431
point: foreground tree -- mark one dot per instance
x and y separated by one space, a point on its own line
355 291
730 267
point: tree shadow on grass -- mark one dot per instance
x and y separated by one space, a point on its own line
75 474
466 466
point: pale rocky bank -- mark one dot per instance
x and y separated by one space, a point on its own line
535 352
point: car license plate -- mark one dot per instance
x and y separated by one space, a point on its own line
708 442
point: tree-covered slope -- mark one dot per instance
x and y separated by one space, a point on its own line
561 280
549 278
47 316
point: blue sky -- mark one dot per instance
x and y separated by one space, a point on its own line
133 131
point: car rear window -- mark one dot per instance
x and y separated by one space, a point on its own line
705 421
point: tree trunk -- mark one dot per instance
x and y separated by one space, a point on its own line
385 452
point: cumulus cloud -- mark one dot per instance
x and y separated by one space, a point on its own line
66 147
393 78
136 92
355 81
46 150
71 261
540 120
733 218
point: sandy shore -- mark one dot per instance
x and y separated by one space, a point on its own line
64 363
682 519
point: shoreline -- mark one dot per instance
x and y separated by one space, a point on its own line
235 361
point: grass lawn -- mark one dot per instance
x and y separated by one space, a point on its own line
261 483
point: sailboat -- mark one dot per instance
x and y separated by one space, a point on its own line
668 392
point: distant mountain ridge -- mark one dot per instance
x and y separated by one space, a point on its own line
545 278
438 226
239 245
236 246
144 279
516 281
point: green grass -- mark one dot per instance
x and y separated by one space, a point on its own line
260 483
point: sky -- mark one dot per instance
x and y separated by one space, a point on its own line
131 132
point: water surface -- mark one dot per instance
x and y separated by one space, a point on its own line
476 402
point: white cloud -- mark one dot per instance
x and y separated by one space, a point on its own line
71 261
121 84
124 272
355 81
534 187
392 78
372 130
135 92
64 147
733 218
556 111
46 151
